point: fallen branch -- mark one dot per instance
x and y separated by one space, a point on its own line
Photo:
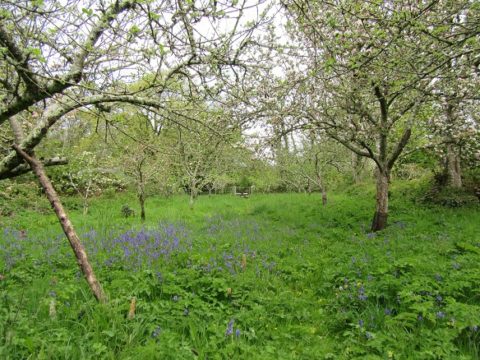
67 226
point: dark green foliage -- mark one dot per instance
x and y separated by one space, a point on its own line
315 284
16 198
245 182
451 197
127 211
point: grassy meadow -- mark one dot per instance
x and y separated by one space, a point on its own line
274 276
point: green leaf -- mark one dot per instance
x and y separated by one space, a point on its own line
88 12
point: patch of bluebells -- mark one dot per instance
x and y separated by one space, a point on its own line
12 248
17 245
139 248
231 262
242 229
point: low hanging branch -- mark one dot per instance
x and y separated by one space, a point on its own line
67 226
24 168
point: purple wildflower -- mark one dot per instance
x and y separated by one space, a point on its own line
156 332
237 333
229 330
440 315
361 294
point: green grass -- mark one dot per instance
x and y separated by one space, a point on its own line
316 284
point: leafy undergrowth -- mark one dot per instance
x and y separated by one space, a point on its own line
269 277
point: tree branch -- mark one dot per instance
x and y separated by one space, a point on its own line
47 89
24 168
399 148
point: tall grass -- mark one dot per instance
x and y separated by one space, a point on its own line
273 276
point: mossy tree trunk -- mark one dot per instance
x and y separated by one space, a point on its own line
453 167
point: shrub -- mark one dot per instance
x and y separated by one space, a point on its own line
450 197
127 211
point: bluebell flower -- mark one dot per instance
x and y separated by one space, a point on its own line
156 332
361 323
361 293
229 330
420 318
363 297
438 277
388 311
440 315
186 312
237 333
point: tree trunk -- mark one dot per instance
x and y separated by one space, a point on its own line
381 212
321 183
356 167
453 167
141 200
193 193
141 189
192 199
324 196
85 207
67 226
16 129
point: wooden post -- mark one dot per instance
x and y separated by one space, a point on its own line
67 226
131 310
